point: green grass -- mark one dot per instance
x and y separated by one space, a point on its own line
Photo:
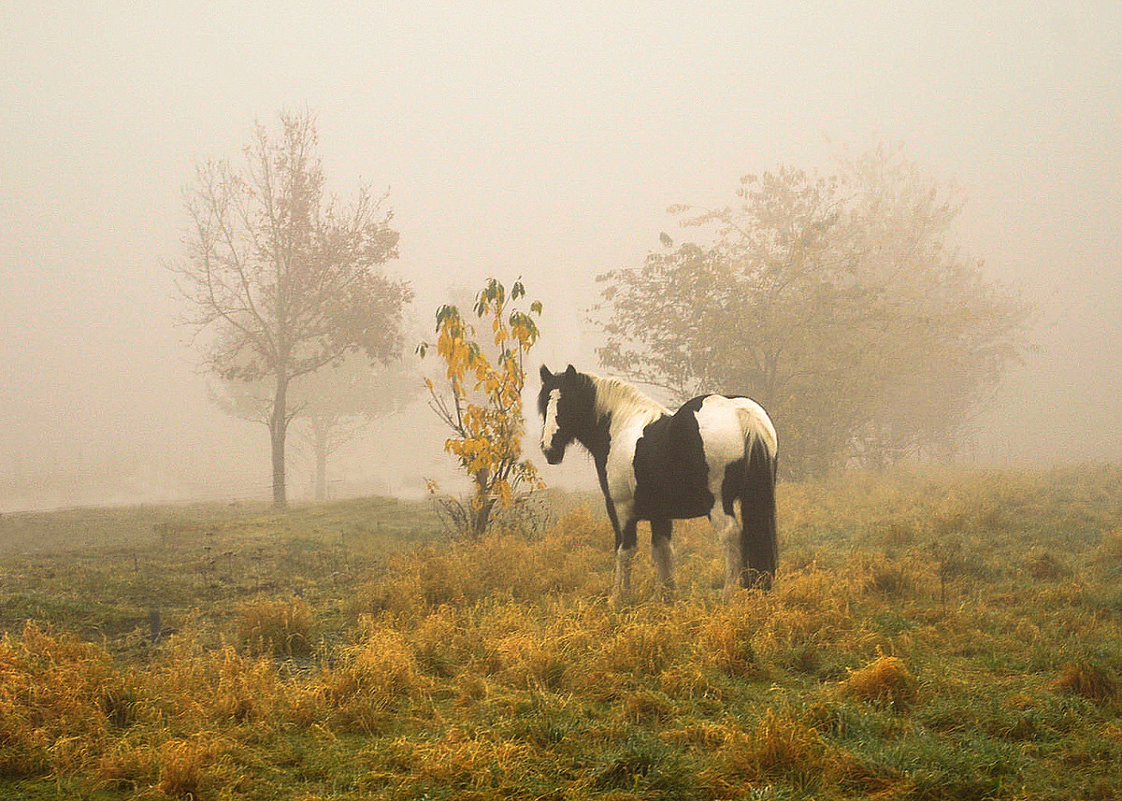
100 573
932 635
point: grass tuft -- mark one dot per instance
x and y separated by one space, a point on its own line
283 628
779 748
378 676
182 771
886 680
1088 680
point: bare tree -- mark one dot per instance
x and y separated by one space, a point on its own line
283 277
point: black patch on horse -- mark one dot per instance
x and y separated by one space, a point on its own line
671 474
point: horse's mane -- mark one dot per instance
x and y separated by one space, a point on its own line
624 400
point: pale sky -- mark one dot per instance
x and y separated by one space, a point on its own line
543 140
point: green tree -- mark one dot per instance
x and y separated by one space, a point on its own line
283 277
481 402
838 303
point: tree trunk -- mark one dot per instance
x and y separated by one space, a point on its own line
481 518
278 425
481 508
321 460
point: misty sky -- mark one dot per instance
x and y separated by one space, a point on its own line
544 140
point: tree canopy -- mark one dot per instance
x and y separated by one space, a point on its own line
840 303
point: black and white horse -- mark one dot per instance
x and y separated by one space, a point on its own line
714 457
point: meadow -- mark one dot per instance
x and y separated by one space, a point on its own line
931 635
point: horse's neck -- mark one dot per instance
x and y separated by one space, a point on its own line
626 404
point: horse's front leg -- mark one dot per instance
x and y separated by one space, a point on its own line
663 554
626 545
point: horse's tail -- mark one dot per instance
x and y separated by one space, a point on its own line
759 540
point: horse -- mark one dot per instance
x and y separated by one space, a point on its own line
715 457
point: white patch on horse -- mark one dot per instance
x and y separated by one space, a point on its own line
728 427
549 427
724 435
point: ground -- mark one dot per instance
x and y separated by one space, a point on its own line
931 635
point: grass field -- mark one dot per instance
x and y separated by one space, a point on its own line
931 636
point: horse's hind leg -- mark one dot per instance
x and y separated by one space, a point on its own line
662 551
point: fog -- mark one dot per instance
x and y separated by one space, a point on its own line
518 139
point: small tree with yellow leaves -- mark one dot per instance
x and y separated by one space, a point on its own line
482 404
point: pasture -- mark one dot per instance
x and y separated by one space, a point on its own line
931 635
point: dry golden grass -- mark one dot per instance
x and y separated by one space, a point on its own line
778 747
377 675
1087 680
1110 548
462 760
886 680
127 766
277 627
462 573
182 768
724 642
52 701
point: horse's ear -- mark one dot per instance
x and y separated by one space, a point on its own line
571 372
546 375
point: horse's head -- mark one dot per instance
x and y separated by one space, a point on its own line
560 408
